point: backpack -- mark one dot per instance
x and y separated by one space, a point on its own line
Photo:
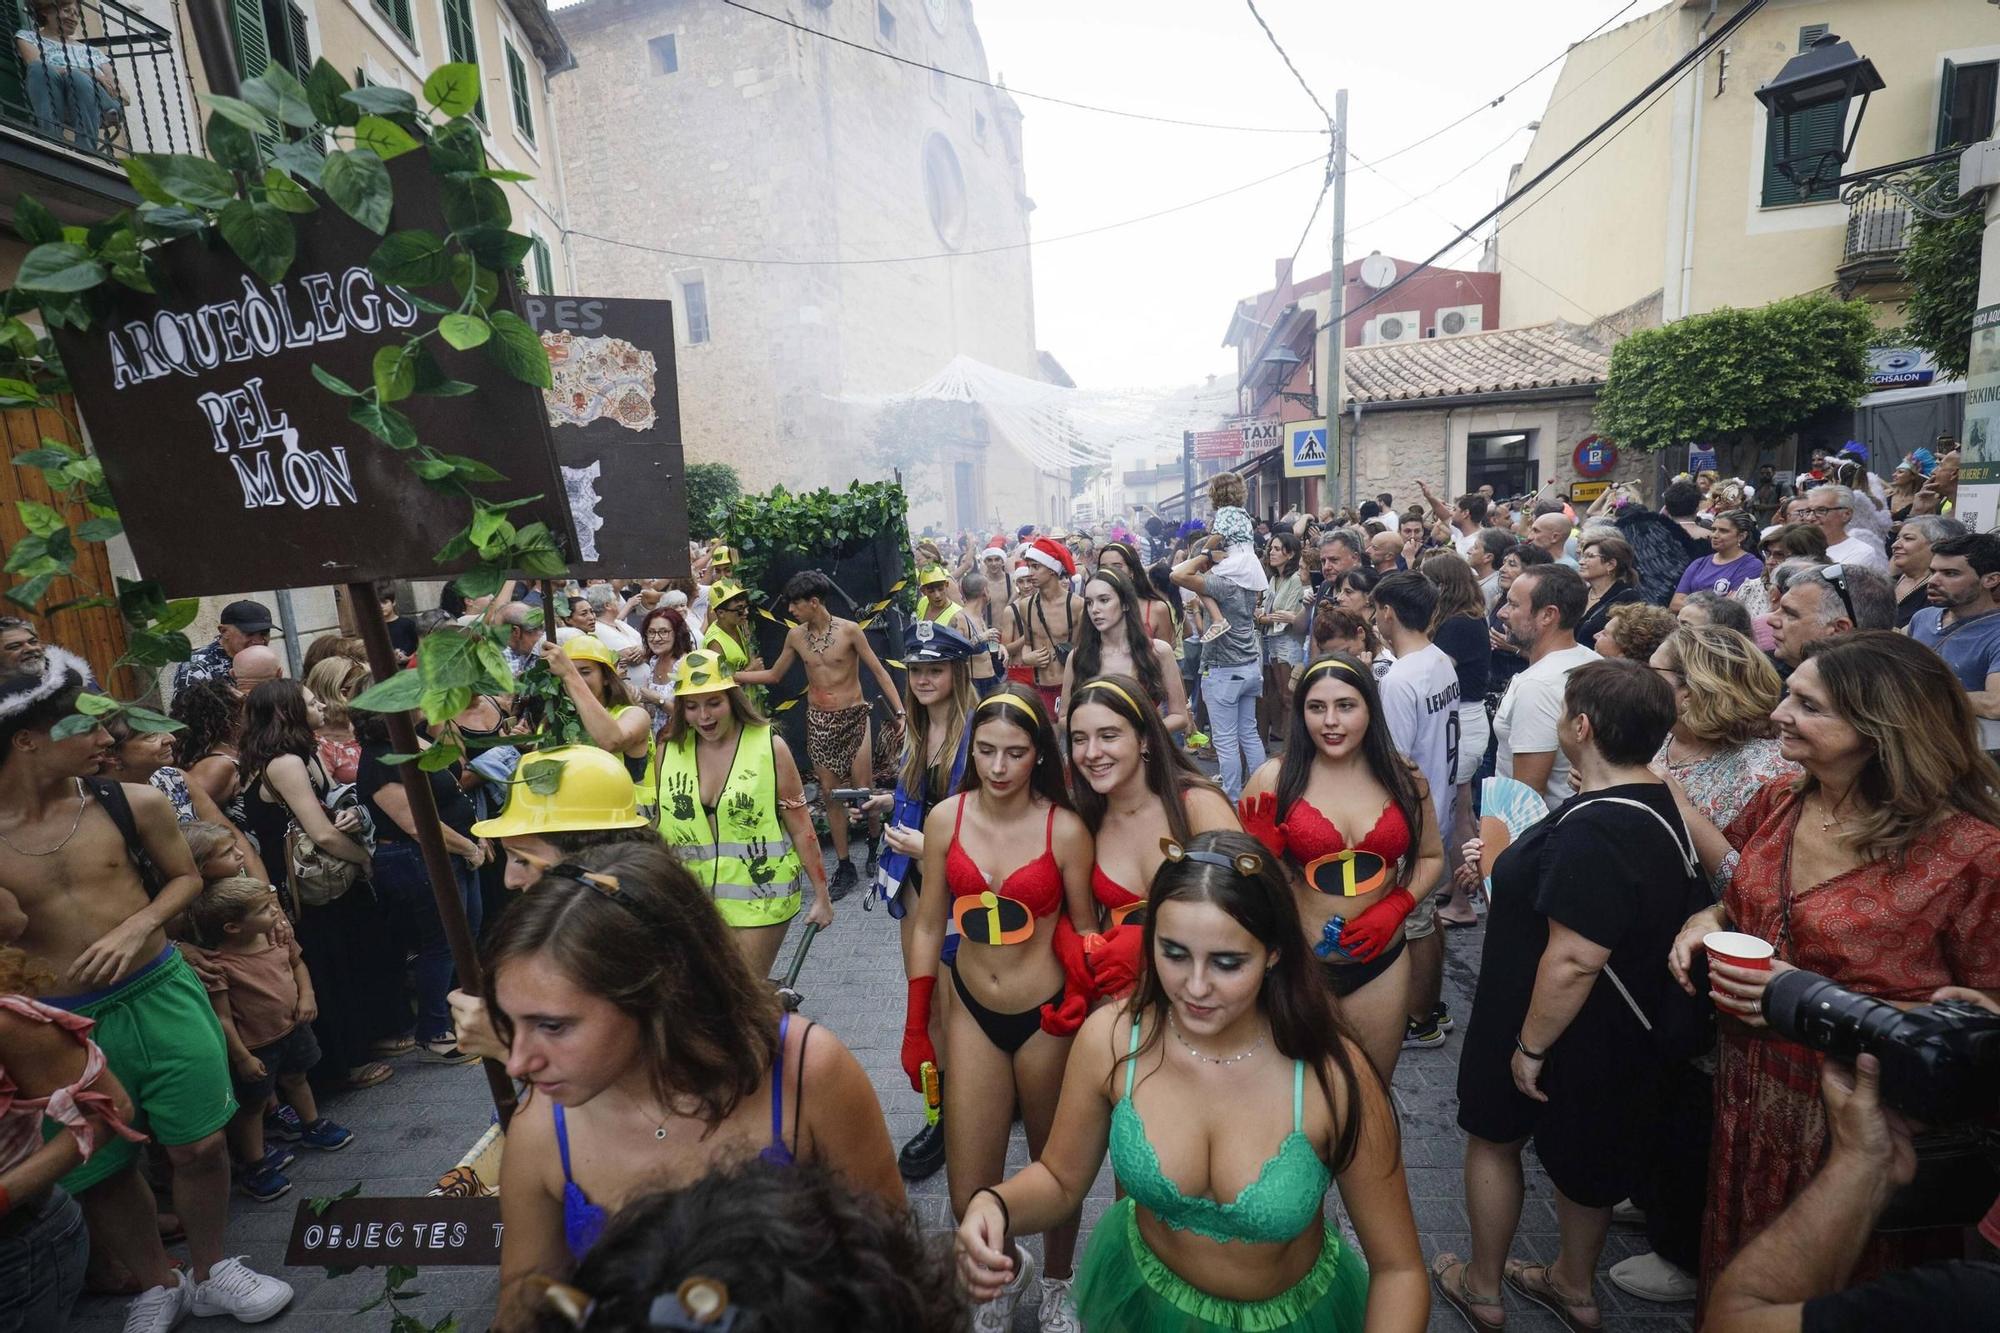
1682 1026
111 796
316 877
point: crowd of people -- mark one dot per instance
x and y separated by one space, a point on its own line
1175 822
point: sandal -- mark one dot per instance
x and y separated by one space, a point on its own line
368 1075
1534 1282
390 1047
1461 1299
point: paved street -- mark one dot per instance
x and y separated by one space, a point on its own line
417 1125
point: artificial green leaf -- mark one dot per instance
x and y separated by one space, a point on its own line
147 649
385 138
431 378
179 614
335 383
140 601
76 724
97 705
58 266
497 174
400 693
16 334
188 180
395 373
480 583
302 159
238 112
428 306
165 221
324 86
39 519
145 719
385 424
411 259
281 191
30 594
467 272
33 223
496 247
430 469
471 202
262 237
234 147
471 470
379 100
436 759
15 393
464 332
447 388
457 147
453 89
280 96
544 777
145 181
359 183
517 349
98 529
44 459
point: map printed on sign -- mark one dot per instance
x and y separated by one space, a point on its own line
599 378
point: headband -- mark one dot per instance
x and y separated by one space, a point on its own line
1246 865
1014 701
1102 684
1326 664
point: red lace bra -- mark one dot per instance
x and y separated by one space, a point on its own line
1033 891
1310 835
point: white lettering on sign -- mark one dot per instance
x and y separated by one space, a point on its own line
241 420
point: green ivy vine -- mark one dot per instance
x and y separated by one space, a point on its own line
836 523
266 148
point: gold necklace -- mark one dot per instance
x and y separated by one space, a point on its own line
82 804
1830 817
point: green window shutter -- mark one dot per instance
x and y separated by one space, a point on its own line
1820 130
1945 89
545 278
461 40
398 13
253 46
517 88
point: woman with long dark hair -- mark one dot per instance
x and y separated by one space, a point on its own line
211 716
1114 641
354 969
653 1053
1253 1088
1010 856
1354 821
1121 558
1132 788
1277 618
1458 626
1610 570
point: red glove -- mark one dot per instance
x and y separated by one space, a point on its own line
1368 934
1260 821
1064 1015
917 1046
1114 965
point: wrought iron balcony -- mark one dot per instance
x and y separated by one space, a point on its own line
98 80
1883 209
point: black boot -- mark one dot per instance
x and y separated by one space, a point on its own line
923 1155
843 882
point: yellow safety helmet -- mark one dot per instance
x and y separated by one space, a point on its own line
593 790
722 556
932 574
590 648
702 672
724 591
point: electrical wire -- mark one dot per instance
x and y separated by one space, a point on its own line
1012 92
947 254
1278 46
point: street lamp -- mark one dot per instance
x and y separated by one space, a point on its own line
1827 73
1287 361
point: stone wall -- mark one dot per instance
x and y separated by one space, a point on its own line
1403 445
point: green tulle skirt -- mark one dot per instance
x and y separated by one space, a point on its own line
1123 1287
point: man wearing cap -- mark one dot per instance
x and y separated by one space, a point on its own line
240 625
1043 624
938 605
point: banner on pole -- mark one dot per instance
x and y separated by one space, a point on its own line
1979 445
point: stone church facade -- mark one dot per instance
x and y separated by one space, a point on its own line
693 126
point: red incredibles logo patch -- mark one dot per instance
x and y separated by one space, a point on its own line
1348 874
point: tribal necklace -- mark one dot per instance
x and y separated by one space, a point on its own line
1213 1059
82 804
819 644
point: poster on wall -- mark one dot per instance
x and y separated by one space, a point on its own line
1979 443
614 413
233 467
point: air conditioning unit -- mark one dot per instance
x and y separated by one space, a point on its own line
1460 319
1404 326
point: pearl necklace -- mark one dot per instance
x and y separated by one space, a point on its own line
1212 1059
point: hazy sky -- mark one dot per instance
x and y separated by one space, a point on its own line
1148 304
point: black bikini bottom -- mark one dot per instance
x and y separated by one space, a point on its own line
1347 978
1009 1032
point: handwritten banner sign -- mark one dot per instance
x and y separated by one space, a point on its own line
1238 441
614 413
429 1232
233 468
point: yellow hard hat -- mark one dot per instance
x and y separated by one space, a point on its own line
722 555
723 591
593 790
702 672
590 648
932 574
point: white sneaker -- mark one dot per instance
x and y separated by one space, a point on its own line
158 1309
233 1288
1651 1278
1625 1213
997 1315
1058 1312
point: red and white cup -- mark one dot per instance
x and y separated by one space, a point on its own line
1738 950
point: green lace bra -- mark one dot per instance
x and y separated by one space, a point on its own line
1282 1202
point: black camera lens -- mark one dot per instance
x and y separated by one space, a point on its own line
1940 1062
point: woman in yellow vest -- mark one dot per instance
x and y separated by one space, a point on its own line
588 670
728 634
733 809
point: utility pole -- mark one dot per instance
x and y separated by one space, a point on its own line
1330 395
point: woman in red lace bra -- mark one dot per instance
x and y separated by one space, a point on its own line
1133 788
1012 858
1353 820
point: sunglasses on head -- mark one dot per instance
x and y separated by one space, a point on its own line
1837 576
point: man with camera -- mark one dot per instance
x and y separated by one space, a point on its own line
1791 1277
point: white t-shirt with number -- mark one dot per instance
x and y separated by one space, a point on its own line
1420 706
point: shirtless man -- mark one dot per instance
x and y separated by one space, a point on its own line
837 742
90 917
1042 624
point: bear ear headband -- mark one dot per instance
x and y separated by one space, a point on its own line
698 1305
1246 865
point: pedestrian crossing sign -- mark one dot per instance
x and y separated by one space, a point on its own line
1305 448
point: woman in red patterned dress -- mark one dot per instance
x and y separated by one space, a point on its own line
1880 868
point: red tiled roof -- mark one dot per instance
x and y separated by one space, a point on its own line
1541 357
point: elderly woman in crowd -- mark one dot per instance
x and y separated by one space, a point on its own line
1634 630
1760 596
1583 904
1910 560
1879 868
1610 568
1705 608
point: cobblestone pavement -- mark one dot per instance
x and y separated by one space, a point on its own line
416 1126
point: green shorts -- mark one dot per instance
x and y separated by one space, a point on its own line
161 1039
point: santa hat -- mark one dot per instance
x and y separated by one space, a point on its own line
995 545
1051 554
